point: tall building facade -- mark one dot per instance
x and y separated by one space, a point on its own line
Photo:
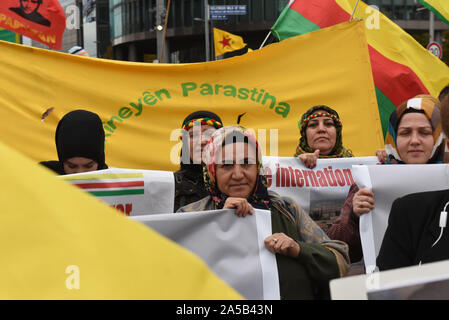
134 27
137 24
89 17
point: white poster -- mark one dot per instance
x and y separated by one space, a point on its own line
134 192
429 281
320 191
232 247
388 183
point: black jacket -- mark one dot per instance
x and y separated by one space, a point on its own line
413 226
189 185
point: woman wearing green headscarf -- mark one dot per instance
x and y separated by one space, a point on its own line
321 136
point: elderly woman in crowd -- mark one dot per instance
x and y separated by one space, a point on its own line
414 137
321 136
306 258
415 232
80 143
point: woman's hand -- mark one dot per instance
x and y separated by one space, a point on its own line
282 244
241 206
363 202
309 159
382 155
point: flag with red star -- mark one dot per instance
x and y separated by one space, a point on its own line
226 42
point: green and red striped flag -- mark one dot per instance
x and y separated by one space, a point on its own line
402 68
439 7
109 184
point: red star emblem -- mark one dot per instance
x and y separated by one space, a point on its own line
225 42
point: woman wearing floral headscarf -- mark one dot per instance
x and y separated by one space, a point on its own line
305 256
414 137
321 136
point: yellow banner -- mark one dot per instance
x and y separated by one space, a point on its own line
57 242
143 105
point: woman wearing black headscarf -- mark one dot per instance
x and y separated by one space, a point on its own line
79 141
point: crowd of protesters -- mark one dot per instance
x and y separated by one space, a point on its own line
221 168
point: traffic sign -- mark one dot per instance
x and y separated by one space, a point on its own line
435 49
228 10
218 16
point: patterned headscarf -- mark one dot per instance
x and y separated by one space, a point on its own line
430 107
204 117
259 198
339 151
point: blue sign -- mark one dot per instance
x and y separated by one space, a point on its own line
218 17
227 10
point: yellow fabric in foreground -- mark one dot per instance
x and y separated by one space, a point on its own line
397 45
54 237
441 6
143 105
226 42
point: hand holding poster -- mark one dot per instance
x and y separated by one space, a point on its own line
234 248
320 191
390 182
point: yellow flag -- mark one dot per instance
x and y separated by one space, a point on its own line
57 242
143 105
439 7
226 42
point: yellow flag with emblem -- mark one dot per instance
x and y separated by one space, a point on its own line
226 42
142 105
57 242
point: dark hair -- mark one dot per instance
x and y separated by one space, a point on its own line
201 114
39 2
445 115
443 93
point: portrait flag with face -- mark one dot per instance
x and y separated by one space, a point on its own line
40 20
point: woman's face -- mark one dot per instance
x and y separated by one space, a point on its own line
414 139
236 173
199 135
321 134
79 164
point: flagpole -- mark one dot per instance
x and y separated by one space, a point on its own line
206 29
165 32
353 12
266 38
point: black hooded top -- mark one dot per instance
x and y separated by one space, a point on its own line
80 133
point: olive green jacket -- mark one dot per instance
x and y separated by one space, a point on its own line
320 259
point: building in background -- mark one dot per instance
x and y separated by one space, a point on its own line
134 25
92 33
132 29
